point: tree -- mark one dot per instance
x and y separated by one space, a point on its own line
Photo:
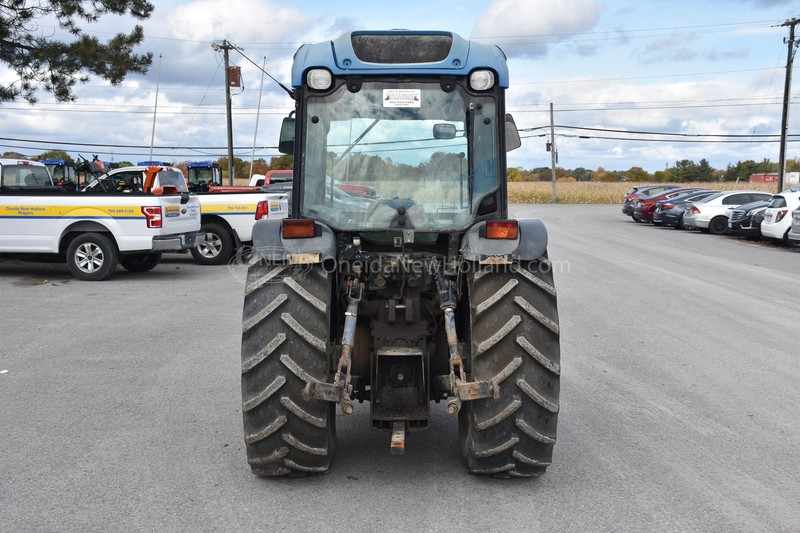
637 174
281 162
514 174
55 154
39 60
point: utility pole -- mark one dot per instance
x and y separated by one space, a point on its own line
225 46
792 45
155 109
553 153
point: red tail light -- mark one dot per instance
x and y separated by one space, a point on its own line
502 229
262 210
780 215
153 216
631 197
667 206
694 210
297 229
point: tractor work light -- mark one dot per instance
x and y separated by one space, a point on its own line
481 80
319 79
502 229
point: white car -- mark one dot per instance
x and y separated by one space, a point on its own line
778 215
711 213
794 232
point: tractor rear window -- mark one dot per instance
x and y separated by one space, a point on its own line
426 157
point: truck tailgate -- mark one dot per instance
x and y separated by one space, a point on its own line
179 217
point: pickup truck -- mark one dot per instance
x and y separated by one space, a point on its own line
94 232
271 177
277 179
227 215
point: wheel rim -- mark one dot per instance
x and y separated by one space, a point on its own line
89 257
212 247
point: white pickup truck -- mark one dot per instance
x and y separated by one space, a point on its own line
227 214
95 232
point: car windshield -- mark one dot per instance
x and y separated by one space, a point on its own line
174 178
25 176
430 156
777 201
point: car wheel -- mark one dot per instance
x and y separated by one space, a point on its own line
92 257
140 262
718 225
217 248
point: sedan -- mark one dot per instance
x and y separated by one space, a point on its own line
777 215
646 205
710 214
669 212
637 192
745 220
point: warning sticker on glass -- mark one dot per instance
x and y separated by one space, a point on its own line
401 97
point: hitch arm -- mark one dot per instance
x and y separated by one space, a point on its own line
460 388
341 386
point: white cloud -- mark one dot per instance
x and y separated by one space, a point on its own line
526 27
238 20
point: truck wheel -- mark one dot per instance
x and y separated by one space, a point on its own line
285 340
92 257
515 345
218 247
140 262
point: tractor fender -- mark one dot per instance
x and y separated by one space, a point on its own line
530 244
270 245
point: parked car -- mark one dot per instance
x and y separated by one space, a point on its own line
777 215
669 211
637 192
745 220
710 214
794 231
646 205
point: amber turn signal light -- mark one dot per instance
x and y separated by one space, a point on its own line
297 229
502 229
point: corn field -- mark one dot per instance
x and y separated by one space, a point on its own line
588 192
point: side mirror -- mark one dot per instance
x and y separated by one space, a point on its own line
512 135
286 141
444 131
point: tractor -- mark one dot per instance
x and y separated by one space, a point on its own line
429 294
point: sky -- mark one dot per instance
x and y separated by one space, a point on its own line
632 83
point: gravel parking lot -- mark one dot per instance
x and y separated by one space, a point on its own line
120 402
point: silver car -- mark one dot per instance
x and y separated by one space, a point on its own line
711 213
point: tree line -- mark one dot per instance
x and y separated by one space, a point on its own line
684 171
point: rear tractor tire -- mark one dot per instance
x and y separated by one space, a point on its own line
285 343
515 344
